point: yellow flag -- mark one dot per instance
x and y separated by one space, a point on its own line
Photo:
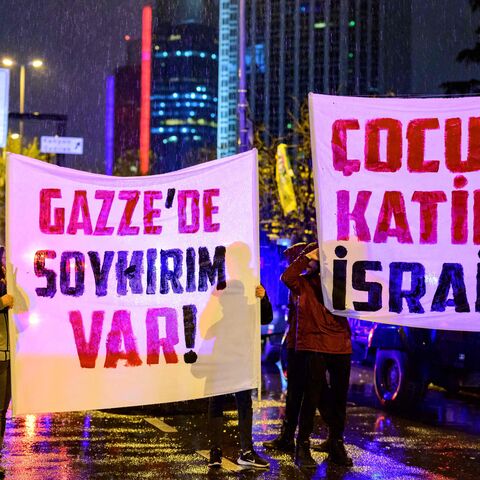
283 176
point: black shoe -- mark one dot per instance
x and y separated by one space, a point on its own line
281 444
215 457
251 459
338 454
323 447
303 457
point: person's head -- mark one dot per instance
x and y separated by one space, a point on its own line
292 252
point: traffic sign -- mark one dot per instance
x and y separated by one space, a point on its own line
71 145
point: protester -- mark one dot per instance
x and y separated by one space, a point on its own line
323 344
285 442
248 456
6 301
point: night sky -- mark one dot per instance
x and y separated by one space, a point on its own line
81 42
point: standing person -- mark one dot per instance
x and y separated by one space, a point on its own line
285 442
6 301
323 342
248 456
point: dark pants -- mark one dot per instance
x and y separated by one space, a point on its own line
295 388
245 418
5 395
331 399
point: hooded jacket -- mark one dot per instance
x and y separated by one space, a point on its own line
317 329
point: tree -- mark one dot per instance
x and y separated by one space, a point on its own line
31 150
128 165
299 225
467 56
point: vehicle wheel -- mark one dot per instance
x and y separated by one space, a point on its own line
397 384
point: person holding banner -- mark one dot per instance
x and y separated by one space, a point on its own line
323 344
6 302
248 457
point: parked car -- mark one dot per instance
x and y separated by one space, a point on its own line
406 360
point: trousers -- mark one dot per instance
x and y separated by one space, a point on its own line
216 404
330 396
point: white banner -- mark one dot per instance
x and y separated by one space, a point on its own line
398 208
132 291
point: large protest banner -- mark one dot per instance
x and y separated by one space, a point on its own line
398 208
132 291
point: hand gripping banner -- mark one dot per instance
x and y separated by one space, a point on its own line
132 291
398 208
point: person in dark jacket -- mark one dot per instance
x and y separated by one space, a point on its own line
285 442
248 456
6 302
323 344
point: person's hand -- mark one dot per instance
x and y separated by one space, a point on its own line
259 291
7 300
313 255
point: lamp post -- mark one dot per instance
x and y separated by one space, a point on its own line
36 63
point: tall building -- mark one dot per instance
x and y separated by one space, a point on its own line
127 109
227 78
301 46
295 47
184 83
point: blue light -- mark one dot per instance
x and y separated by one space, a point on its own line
178 53
184 130
198 89
214 56
188 53
177 104
161 129
175 95
212 115
197 137
202 104
162 104
202 54
191 113
192 95
161 112
164 54
187 104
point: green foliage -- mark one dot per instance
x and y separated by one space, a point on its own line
299 225
31 150
128 165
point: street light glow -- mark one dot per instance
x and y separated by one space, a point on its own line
14 136
37 63
7 62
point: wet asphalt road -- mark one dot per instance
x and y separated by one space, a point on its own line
439 440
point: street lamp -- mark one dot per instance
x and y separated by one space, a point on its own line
10 62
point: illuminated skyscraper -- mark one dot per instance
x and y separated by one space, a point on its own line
227 78
301 46
184 84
